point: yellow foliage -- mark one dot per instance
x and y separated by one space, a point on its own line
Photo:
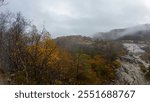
46 50
116 64
97 60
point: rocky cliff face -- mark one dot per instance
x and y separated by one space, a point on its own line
133 69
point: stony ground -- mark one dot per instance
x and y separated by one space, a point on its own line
130 72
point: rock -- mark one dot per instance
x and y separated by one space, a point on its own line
130 72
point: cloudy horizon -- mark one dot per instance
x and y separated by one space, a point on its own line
86 17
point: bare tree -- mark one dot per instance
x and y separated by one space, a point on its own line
3 27
1 2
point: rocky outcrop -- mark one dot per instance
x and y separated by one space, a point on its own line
133 69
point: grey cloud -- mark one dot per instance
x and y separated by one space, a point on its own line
64 17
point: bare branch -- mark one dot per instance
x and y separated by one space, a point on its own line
3 2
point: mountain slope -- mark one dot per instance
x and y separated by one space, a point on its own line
140 32
140 35
133 68
71 43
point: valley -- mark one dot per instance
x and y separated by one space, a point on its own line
32 56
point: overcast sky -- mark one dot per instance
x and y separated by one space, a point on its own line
85 17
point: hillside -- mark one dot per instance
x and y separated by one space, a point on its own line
74 42
111 35
139 32
133 69
140 35
74 39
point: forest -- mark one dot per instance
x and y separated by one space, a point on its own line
31 57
